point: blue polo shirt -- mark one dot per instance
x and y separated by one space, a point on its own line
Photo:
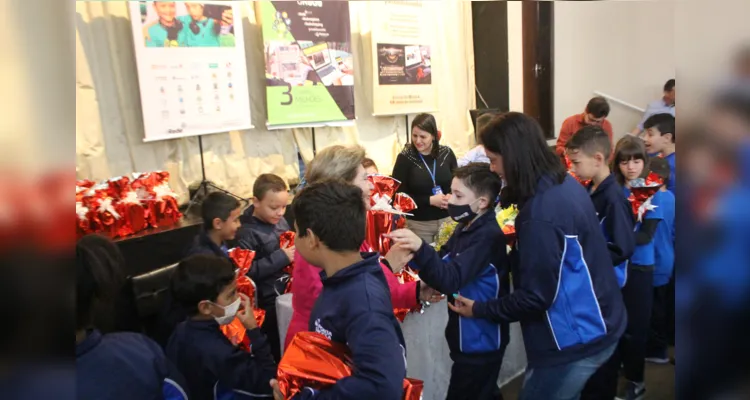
656 107
206 36
645 254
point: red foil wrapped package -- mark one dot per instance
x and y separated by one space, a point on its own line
378 224
85 183
163 209
641 192
243 260
237 334
384 187
286 240
405 276
404 203
413 389
102 213
83 224
313 361
133 212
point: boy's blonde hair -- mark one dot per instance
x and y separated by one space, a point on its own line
335 162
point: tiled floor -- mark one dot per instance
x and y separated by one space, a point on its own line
659 383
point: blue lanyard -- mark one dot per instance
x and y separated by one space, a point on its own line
434 169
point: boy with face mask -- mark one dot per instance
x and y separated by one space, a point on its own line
206 287
472 263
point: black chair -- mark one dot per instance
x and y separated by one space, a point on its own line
151 292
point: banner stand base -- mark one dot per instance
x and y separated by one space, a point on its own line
205 187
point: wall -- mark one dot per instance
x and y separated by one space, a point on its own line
622 48
108 116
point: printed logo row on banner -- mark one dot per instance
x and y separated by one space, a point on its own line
192 71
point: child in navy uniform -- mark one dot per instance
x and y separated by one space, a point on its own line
631 163
117 365
205 286
354 307
660 139
473 263
656 351
221 220
263 224
589 152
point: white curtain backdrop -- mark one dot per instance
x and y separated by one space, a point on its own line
109 128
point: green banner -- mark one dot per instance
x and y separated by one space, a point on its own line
309 64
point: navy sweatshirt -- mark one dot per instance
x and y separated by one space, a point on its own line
172 313
268 266
565 294
474 263
202 244
214 368
125 366
617 222
355 309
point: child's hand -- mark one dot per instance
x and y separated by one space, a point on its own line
462 306
429 294
398 256
276 390
246 315
406 239
289 251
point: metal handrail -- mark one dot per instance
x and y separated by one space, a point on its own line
618 101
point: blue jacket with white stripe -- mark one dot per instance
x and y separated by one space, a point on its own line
474 263
565 294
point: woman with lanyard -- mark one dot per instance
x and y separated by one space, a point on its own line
425 169
565 294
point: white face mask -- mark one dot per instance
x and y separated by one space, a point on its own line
229 312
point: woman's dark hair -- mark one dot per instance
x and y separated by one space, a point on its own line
520 141
629 148
99 276
427 123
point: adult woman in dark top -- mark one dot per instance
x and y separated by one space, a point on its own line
425 169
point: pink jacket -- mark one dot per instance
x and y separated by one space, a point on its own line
306 287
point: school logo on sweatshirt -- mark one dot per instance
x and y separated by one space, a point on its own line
323 331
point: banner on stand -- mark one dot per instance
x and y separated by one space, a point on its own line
191 67
403 45
309 63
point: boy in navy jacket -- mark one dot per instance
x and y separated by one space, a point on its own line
589 151
263 224
221 220
354 307
473 263
205 286
114 366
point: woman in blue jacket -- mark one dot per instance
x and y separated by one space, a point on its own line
566 296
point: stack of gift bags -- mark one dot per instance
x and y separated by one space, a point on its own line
122 206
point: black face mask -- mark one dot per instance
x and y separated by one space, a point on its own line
462 213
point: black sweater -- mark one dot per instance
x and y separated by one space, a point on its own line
417 182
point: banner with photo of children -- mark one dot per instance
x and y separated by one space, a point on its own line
186 24
403 35
309 63
192 70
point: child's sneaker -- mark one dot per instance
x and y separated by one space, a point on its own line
658 357
632 391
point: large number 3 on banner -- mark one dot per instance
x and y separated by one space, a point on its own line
288 93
